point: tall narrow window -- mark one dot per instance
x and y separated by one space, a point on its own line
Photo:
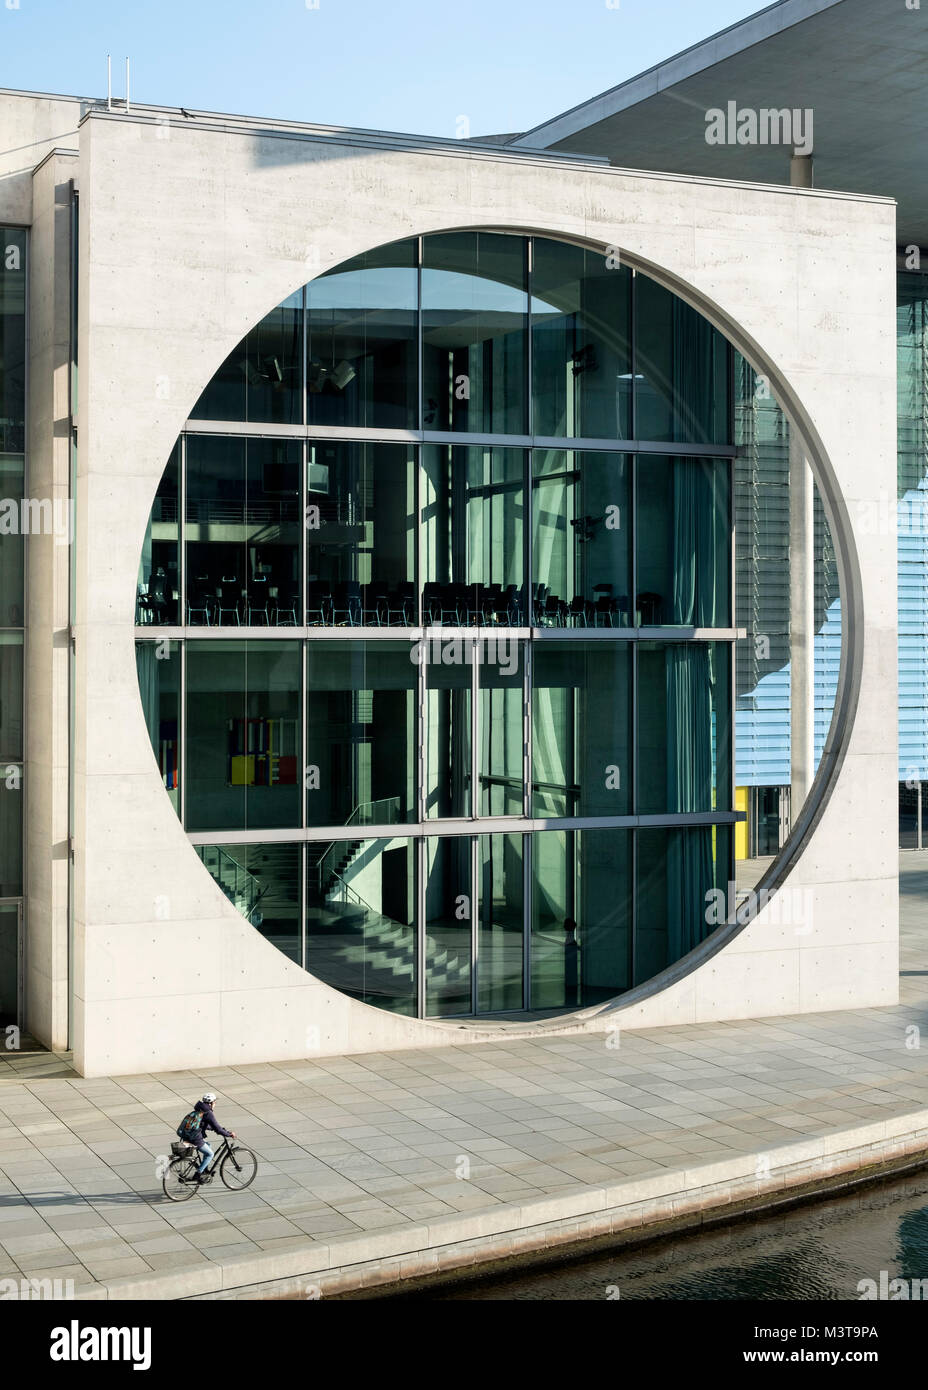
474 333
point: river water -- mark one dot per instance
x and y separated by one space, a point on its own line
821 1250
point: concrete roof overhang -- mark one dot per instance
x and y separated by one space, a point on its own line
860 65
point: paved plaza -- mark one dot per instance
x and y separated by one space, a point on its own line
375 1143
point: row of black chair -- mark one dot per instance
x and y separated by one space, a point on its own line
603 609
227 602
348 603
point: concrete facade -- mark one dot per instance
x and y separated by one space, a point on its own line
191 231
47 670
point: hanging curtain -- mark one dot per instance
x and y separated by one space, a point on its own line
689 878
147 668
684 541
689 726
697 534
694 383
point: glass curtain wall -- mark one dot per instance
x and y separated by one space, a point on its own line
360 920
262 380
474 333
242 754
912 543
514 603
677 870
242 531
360 521
361 733
581 921
581 343
582 737
682 370
263 884
581 539
473 536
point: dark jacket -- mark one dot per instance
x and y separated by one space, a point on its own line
209 1120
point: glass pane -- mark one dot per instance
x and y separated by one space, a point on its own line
360 920
581 729
9 964
684 542
581 539
502 727
11 542
11 695
159 577
581 336
449 896
263 883
11 830
361 733
243 531
581 917
604 915
361 341
499 924
361 535
473 509
474 322
271 532
215 521
448 728
158 665
681 364
12 340
679 871
684 727
243 735
262 379
908 817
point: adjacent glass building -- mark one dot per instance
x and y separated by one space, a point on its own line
912 522
762 586
435 626
763 606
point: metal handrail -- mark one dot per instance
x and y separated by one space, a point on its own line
352 820
354 894
252 883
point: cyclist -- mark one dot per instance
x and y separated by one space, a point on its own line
204 1108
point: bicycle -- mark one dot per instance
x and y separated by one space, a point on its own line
237 1167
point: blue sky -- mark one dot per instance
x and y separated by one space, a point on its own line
412 65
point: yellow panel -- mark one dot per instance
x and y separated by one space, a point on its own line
741 826
243 771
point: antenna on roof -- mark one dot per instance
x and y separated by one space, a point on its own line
109 83
128 108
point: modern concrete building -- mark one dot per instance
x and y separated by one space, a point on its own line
852 71
383 651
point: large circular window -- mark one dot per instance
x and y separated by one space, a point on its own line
436 626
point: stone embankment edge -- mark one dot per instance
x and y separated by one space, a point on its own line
507 1230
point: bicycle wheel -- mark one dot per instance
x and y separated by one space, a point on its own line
239 1169
180 1179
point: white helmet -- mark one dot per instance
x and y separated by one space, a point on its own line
209 1098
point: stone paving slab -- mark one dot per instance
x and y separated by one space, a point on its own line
403 1161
